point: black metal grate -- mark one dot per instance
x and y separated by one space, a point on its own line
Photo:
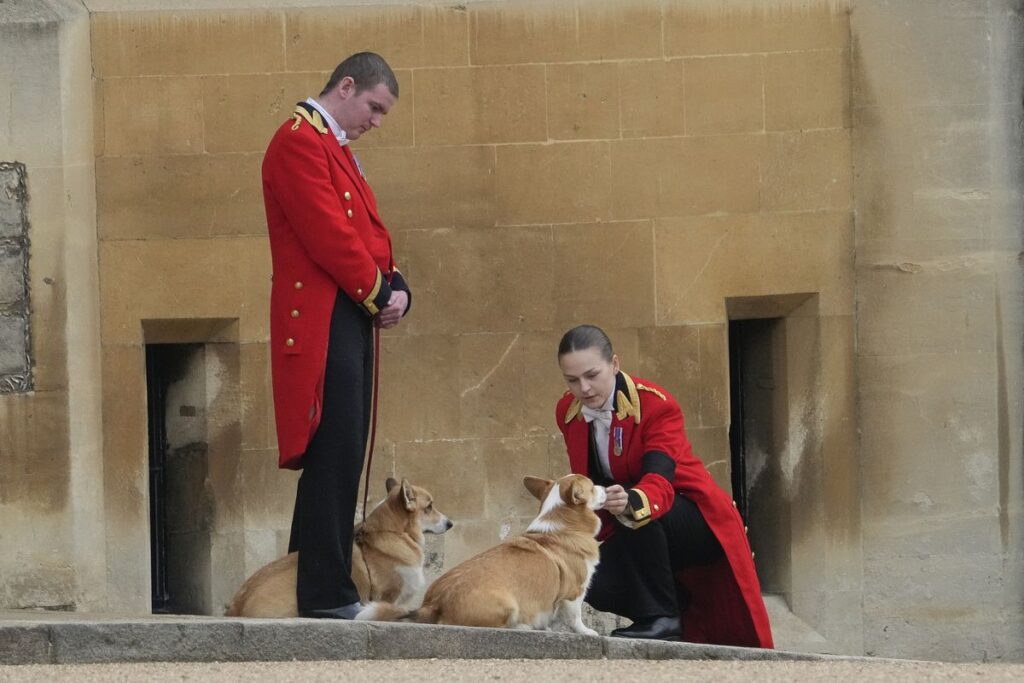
156 389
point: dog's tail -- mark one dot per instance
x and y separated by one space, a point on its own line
385 611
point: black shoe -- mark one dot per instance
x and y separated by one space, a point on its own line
655 628
343 612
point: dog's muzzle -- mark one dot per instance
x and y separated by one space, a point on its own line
600 496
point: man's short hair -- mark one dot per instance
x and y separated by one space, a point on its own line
367 69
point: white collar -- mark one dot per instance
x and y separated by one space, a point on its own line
339 134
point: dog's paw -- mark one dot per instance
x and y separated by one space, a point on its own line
585 630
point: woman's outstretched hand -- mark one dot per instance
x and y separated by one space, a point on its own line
617 500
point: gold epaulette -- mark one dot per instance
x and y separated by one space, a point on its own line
627 406
313 119
644 387
573 410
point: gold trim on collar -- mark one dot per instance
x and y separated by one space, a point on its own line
313 119
628 405
573 411
644 387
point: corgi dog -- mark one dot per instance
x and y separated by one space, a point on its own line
387 558
533 581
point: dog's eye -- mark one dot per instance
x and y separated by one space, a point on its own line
430 506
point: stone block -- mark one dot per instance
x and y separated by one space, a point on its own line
421 366
179 196
592 252
470 537
807 171
583 101
918 421
194 271
925 297
268 100
434 464
271 640
711 446
480 105
651 96
570 32
137 120
506 462
31 64
945 60
126 641
724 95
691 31
256 397
12 202
13 348
807 90
714 371
25 643
670 357
34 471
436 187
130 44
268 493
418 641
704 253
493 393
457 287
685 176
406 36
559 183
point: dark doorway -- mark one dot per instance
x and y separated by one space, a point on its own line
757 440
170 503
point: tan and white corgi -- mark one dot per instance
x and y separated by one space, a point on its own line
387 558
533 581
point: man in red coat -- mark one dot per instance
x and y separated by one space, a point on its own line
674 557
334 280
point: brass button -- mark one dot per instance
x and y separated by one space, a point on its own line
295 313
359 292
298 285
349 213
746 530
734 503
348 195
656 508
752 555
289 342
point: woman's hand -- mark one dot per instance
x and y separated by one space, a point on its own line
616 501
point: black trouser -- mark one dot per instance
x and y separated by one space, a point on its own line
325 503
635 577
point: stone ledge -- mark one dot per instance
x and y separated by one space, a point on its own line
95 639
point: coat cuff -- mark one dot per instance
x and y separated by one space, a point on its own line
638 512
378 296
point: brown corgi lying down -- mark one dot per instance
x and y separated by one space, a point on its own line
533 581
387 558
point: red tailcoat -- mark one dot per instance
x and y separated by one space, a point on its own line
726 607
325 236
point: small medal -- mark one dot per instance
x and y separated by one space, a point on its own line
618 441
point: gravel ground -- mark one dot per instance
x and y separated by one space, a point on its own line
523 670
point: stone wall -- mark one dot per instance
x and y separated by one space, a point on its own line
657 168
938 139
51 549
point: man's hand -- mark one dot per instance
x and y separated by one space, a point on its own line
391 314
617 500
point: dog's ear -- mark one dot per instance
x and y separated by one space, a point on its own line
578 494
390 484
408 495
536 486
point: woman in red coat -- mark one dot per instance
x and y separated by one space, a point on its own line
674 558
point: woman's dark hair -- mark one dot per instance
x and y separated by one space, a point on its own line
586 337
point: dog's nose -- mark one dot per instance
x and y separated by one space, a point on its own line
448 524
